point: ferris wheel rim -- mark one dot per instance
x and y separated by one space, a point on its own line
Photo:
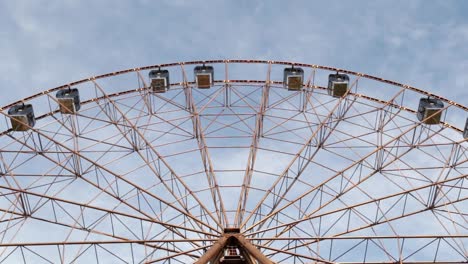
227 61
275 84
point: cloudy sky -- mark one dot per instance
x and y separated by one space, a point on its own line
45 44
48 43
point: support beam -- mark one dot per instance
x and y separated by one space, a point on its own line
231 237
214 251
252 250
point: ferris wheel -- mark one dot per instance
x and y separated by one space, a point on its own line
234 161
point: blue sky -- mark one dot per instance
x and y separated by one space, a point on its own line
49 43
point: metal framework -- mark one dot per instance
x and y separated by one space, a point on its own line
136 176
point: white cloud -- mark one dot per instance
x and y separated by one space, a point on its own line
48 43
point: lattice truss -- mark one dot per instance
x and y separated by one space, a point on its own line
142 177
